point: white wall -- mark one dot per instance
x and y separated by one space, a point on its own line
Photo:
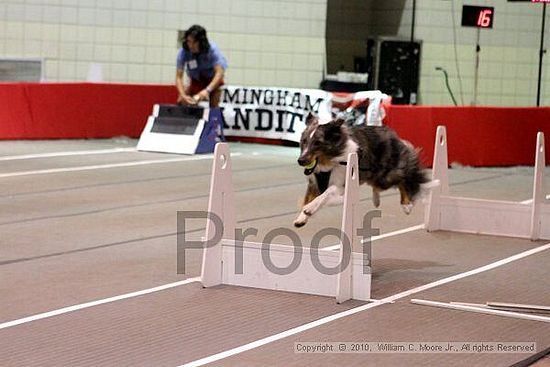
271 43
274 42
509 56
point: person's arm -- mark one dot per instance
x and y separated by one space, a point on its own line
183 91
214 84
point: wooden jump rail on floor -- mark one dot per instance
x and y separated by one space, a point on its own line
219 267
491 217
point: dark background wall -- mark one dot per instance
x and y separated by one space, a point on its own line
351 22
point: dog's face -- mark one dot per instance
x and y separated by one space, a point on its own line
320 143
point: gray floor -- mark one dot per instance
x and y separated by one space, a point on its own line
81 228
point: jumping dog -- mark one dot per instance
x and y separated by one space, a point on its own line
385 161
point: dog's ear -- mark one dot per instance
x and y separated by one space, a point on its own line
334 130
311 117
338 122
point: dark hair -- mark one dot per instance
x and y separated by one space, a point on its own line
199 34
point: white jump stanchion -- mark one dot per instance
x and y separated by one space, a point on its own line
243 263
439 173
344 288
491 217
220 203
538 190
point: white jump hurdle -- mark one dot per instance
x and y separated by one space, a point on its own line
350 282
492 217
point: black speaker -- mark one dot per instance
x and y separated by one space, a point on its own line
394 68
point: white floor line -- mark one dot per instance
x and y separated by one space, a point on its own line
113 165
325 320
67 153
488 311
81 306
385 235
529 201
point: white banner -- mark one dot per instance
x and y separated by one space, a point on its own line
272 113
279 113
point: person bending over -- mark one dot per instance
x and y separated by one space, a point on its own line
205 67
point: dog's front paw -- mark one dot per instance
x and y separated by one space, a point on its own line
310 209
407 208
299 224
301 220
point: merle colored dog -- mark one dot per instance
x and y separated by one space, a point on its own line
385 161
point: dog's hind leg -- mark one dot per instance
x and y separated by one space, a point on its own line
376 196
406 202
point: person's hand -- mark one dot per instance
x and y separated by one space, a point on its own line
186 99
203 95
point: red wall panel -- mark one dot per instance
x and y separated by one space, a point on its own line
477 136
79 110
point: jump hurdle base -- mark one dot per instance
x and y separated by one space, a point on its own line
490 217
305 279
342 274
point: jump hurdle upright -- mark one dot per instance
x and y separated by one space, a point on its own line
491 217
339 278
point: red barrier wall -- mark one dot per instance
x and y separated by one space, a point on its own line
478 136
78 110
